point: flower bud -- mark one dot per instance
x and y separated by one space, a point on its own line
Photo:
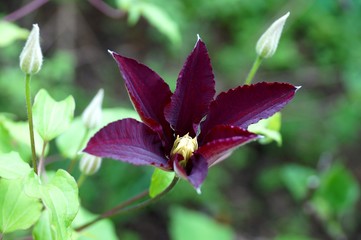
267 44
92 115
31 57
89 164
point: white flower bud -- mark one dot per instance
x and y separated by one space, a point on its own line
89 164
268 42
92 115
31 57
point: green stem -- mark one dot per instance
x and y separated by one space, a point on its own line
73 160
30 119
81 179
253 71
125 207
41 166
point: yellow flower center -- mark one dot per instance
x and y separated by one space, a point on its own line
184 146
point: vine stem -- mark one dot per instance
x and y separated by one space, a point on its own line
41 166
25 10
30 119
253 70
81 179
73 160
124 206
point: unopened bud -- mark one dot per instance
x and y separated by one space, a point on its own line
31 57
268 42
89 164
92 115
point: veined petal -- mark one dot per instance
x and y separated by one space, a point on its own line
148 92
247 104
196 170
130 141
221 141
194 92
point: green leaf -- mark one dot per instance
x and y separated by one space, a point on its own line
60 197
69 143
12 166
297 179
269 128
10 32
187 225
161 21
160 181
103 229
338 192
17 209
51 118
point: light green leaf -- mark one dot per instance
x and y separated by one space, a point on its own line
51 118
60 197
10 32
269 128
5 139
12 166
17 209
42 229
20 137
160 181
103 229
69 143
187 225
338 191
297 179
161 21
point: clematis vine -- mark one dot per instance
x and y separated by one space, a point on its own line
189 130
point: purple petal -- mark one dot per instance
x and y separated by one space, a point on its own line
221 141
148 92
194 92
130 141
196 170
247 104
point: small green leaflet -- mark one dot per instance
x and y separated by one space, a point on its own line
269 128
51 118
160 181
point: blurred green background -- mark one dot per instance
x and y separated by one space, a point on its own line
306 189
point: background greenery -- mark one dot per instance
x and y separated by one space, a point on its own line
306 189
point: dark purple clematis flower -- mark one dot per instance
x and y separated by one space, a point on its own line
186 131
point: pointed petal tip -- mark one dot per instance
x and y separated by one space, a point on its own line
297 88
198 190
199 37
111 52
